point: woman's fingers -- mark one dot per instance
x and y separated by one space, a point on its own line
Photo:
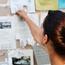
21 13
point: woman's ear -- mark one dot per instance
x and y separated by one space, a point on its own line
45 39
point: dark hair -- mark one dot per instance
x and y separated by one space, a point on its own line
54 27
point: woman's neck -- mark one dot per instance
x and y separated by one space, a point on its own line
54 57
56 60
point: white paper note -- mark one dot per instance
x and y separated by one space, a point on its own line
21 54
16 5
7 33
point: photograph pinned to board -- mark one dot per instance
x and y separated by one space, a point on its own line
16 5
46 4
7 32
61 4
21 57
3 57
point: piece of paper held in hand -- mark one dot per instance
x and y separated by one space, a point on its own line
7 33
16 5
46 4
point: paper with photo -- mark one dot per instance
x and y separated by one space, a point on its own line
46 4
20 54
16 5
61 4
7 33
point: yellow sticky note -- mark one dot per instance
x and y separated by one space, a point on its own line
46 4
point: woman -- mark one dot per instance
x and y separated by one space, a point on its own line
52 35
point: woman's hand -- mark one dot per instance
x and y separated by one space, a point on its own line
22 14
